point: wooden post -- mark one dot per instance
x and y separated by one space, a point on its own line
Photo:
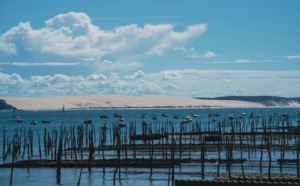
298 153
102 145
31 141
65 143
118 138
14 155
270 159
228 156
180 145
4 143
45 142
126 159
219 155
242 163
40 150
20 141
151 154
91 150
203 148
28 150
78 182
55 143
173 159
24 145
58 160
261 156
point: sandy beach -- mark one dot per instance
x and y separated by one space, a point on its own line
119 101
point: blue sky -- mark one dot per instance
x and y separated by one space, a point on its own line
183 48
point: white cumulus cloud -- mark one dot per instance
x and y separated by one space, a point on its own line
74 36
170 75
207 54
136 75
242 61
293 57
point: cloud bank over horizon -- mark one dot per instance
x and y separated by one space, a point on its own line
187 83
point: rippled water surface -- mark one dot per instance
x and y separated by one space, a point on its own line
131 176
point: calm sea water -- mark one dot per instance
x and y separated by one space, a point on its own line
131 176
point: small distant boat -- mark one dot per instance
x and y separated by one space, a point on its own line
88 121
154 117
104 116
217 114
19 120
45 121
176 116
121 124
63 109
164 115
116 115
194 115
232 116
143 116
186 120
33 122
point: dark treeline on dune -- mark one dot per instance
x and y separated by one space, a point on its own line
265 100
4 105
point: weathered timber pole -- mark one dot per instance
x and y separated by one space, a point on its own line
102 146
40 150
55 143
58 160
180 145
203 149
261 156
151 155
45 142
125 142
298 153
14 155
241 149
79 179
270 159
24 145
219 159
117 135
91 151
173 160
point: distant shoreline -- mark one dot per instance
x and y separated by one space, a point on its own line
129 108
101 102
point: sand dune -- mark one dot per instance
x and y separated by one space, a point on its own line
117 101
